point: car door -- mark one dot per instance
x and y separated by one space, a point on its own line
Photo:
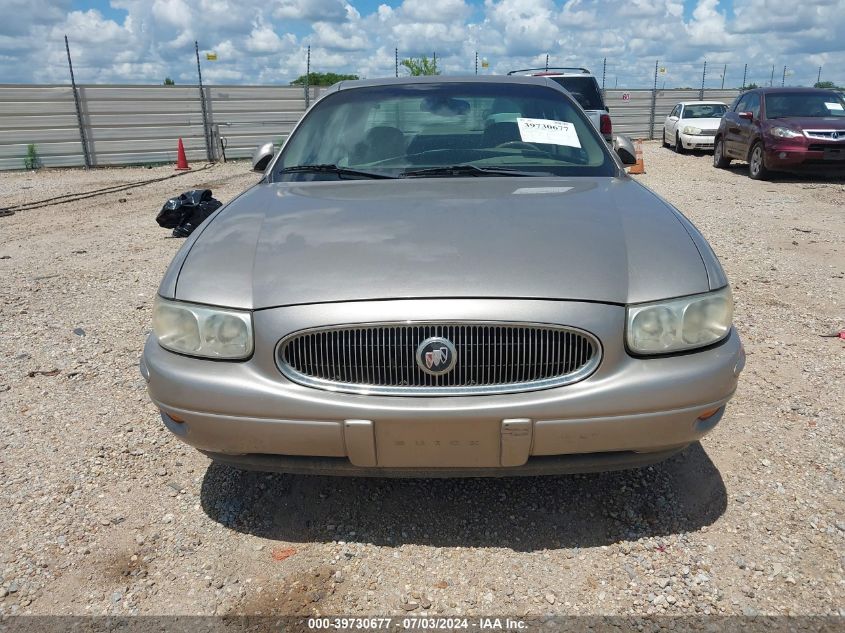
671 123
732 128
749 131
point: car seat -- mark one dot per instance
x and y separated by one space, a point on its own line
380 143
498 133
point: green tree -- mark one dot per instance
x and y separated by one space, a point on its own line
751 86
169 82
825 84
420 66
321 79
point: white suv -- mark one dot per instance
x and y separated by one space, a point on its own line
582 85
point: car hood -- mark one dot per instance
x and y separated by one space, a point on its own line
703 124
810 122
603 239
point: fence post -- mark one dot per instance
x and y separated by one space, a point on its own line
783 79
547 62
209 151
703 76
476 62
819 78
603 74
396 60
744 75
307 78
724 72
85 156
772 79
653 104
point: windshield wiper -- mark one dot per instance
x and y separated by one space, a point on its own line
468 170
332 169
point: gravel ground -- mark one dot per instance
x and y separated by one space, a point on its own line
103 512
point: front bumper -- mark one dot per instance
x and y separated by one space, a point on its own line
818 156
629 412
691 141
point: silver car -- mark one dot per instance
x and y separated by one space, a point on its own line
443 277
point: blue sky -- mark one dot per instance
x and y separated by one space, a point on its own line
262 41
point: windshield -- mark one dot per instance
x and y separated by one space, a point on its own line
394 129
804 104
704 111
584 89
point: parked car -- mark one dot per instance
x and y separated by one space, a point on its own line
443 276
693 125
582 85
783 129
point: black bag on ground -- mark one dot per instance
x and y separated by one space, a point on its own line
187 212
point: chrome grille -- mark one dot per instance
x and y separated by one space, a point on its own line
828 135
494 357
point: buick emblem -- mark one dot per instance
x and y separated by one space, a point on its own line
436 356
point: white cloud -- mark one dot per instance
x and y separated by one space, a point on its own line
261 40
709 25
345 37
528 26
435 10
314 10
175 12
264 40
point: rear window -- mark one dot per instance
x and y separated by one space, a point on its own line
584 89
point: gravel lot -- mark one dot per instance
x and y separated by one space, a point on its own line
103 512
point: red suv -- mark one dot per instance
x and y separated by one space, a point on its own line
783 129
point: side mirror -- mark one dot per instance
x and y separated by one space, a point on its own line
262 156
748 116
624 147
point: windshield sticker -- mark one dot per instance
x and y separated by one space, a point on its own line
548 131
830 106
540 190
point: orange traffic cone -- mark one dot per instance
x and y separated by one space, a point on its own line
639 168
182 160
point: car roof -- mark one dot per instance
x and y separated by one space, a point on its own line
686 103
770 91
437 79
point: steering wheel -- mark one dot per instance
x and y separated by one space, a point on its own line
518 145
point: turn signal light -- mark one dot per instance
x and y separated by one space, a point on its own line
709 413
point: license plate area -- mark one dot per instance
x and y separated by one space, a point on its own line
437 443
834 153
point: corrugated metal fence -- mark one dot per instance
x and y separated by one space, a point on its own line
631 110
126 125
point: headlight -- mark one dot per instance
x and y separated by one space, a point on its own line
202 331
691 129
785 132
679 324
